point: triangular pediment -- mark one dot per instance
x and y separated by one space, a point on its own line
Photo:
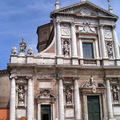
85 9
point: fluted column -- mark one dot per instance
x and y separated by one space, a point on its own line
60 100
117 55
74 42
58 39
12 98
30 100
77 100
104 51
109 100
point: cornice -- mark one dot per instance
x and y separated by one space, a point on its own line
4 72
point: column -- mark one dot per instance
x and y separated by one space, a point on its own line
85 111
117 55
109 100
77 101
58 39
60 100
39 112
104 51
74 42
12 99
30 100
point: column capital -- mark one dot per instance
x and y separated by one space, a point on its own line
58 21
72 23
60 78
101 26
29 77
114 26
13 77
75 78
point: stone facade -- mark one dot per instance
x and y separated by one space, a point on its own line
76 76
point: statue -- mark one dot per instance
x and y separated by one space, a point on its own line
22 47
66 48
21 94
14 51
68 95
109 49
115 93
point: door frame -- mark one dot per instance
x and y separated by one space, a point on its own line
85 106
39 110
98 97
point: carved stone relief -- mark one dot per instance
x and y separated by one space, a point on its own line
86 28
45 93
85 11
65 29
107 32
68 94
109 46
91 83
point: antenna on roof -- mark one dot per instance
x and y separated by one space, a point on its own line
57 4
109 7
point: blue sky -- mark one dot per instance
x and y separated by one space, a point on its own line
20 18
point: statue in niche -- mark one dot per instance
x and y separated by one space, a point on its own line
115 93
21 94
66 49
109 49
68 95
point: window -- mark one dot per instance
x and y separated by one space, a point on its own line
88 50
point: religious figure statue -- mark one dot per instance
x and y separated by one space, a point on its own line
66 49
21 94
115 93
109 49
68 95
22 47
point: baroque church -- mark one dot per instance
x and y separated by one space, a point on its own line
74 76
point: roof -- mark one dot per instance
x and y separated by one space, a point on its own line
97 8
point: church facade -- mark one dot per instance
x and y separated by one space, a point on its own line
76 73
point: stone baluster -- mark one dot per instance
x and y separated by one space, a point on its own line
74 42
58 38
104 51
77 100
60 100
30 100
117 55
109 100
12 98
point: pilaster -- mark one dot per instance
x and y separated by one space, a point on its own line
60 100
77 100
30 100
12 98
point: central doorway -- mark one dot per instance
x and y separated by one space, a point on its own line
45 112
93 108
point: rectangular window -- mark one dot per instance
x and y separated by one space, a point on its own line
88 50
